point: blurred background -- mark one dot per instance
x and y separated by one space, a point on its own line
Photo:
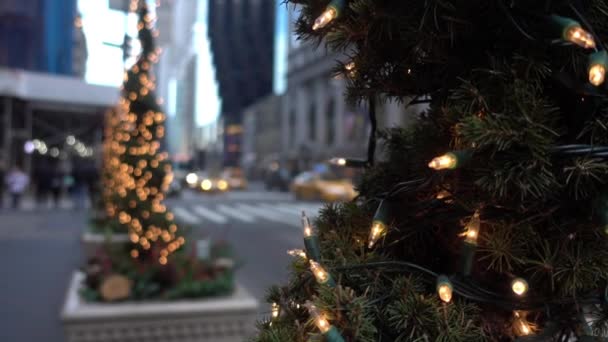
253 116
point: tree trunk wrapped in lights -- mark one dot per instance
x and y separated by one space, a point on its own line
498 194
136 173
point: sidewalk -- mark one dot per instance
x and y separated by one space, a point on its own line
39 250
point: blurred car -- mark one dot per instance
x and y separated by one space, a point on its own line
212 184
276 177
322 186
235 178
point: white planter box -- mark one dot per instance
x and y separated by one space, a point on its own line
222 319
92 242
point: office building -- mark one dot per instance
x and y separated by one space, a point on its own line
317 123
41 36
241 33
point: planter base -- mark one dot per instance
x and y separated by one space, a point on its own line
223 319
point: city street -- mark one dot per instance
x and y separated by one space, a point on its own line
260 225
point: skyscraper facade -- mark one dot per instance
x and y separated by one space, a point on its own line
241 33
40 35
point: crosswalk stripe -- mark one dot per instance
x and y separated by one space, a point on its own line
210 215
185 216
232 212
258 195
268 214
284 208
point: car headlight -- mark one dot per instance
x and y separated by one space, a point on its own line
191 178
222 185
206 185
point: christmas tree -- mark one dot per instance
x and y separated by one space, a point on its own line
486 219
136 173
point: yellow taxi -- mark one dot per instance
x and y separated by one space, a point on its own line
235 178
205 183
322 186
214 184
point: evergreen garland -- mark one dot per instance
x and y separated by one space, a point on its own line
508 85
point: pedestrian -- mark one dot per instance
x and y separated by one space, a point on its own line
78 188
17 181
2 175
56 183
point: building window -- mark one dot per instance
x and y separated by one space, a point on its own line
331 122
312 124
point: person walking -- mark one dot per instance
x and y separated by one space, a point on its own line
2 178
17 181
56 184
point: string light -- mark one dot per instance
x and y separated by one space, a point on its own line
331 12
297 253
350 69
444 288
443 194
519 286
325 18
446 161
471 232
450 160
521 327
379 224
320 320
322 276
275 310
311 241
598 62
574 33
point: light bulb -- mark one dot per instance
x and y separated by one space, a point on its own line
521 326
577 35
325 18
338 161
308 231
442 194
446 161
275 310
444 289
598 62
350 68
519 286
378 229
597 74
319 272
471 232
297 252
320 320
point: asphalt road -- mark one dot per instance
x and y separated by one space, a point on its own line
40 248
